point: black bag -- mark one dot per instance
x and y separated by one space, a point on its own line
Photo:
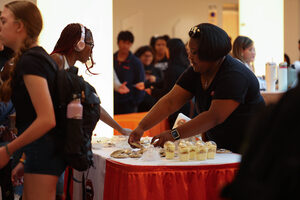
77 133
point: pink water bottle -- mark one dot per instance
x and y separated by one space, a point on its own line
75 109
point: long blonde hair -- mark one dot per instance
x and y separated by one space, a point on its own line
30 16
241 43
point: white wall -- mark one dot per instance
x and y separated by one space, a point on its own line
292 28
264 25
157 17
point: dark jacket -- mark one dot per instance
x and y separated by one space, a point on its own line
132 72
177 64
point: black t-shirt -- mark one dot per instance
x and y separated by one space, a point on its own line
162 64
232 81
33 65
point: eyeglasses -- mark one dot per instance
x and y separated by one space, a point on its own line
194 32
91 44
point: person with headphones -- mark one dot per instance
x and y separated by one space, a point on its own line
76 44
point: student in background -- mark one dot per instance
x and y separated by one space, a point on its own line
178 62
244 50
161 55
152 76
129 69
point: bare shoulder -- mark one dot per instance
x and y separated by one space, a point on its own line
58 59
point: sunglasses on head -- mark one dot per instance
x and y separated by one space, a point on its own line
194 32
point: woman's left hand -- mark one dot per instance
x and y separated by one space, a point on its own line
162 138
4 157
125 131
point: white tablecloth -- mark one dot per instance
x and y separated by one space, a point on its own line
97 174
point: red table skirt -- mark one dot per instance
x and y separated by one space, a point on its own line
129 182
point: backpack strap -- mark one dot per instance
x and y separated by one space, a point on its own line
70 175
83 187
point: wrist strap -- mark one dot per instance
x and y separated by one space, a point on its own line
7 151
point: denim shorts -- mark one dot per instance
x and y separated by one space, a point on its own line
44 156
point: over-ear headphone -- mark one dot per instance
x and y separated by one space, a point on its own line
81 44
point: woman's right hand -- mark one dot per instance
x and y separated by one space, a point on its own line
17 174
135 136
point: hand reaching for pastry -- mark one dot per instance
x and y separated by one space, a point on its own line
125 131
159 140
135 137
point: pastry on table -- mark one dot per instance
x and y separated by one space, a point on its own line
201 151
184 151
145 140
223 151
137 145
211 149
192 150
122 153
169 149
162 153
136 154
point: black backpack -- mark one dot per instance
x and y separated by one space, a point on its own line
76 133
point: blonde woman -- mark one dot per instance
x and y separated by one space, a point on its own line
244 50
31 88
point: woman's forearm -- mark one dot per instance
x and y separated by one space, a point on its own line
106 118
160 111
36 130
218 112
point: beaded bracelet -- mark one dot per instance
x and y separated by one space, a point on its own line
7 151
22 161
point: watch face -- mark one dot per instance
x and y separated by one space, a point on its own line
175 134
